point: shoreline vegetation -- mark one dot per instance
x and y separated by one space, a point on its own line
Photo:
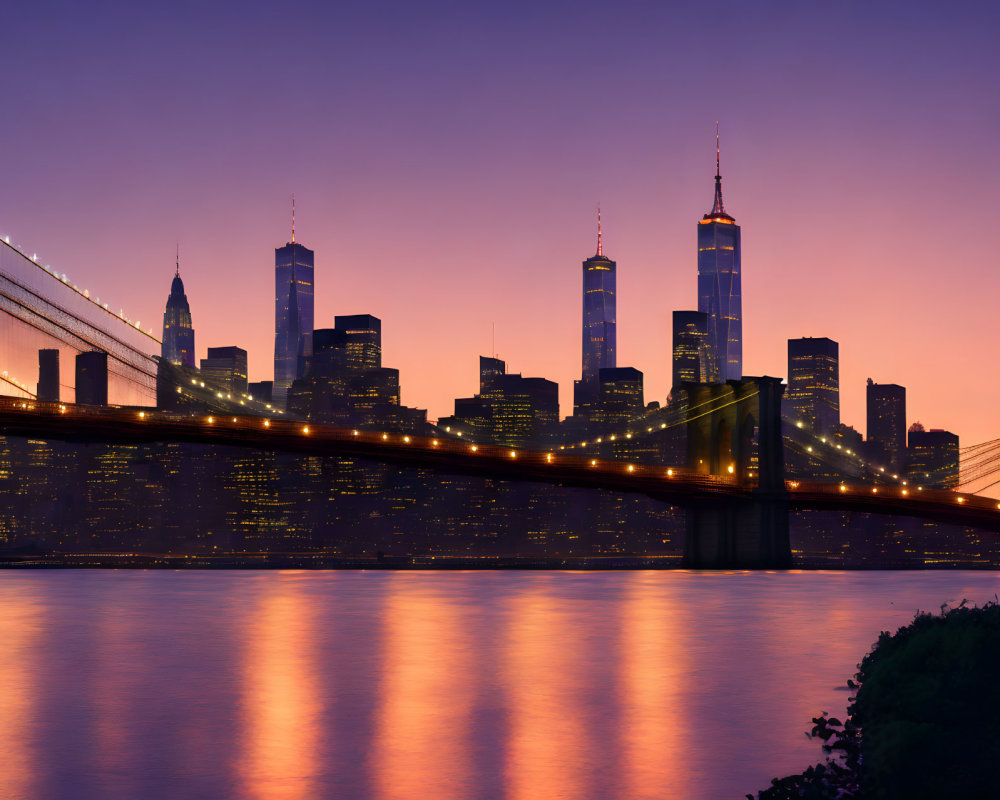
923 721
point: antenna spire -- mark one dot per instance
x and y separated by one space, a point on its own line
177 270
600 248
293 218
718 172
718 209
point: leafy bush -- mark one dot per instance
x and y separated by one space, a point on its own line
923 722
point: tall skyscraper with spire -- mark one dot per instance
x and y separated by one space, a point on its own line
719 282
293 314
178 333
599 324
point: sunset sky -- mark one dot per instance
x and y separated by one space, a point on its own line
447 160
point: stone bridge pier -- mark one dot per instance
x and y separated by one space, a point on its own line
734 429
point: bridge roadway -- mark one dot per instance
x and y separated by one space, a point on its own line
129 425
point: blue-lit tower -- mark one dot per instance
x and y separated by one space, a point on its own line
293 314
599 317
719 285
599 324
178 333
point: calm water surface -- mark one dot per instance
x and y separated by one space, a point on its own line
431 685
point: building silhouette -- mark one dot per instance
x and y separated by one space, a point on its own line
92 378
293 315
260 390
719 283
48 376
932 457
813 394
346 384
886 442
178 332
599 325
362 338
692 355
509 409
226 367
620 396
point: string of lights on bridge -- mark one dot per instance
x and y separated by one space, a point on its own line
394 440
84 293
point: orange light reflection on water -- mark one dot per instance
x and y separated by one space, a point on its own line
421 746
18 634
546 746
655 660
281 697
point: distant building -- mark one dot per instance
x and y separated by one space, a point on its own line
48 376
719 283
178 332
510 409
620 397
599 324
886 443
346 384
932 457
226 367
813 395
293 315
490 370
362 339
92 378
260 390
692 355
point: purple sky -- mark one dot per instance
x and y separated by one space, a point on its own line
447 160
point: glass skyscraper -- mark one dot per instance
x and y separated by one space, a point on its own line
293 316
719 292
692 362
599 323
886 425
178 333
813 395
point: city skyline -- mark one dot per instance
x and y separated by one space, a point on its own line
407 232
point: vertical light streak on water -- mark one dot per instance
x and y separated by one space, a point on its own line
19 630
545 748
425 697
115 683
280 735
655 684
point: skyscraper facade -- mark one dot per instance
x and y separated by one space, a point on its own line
932 457
48 375
293 315
362 337
178 333
719 283
92 378
692 361
813 395
599 323
226 367
886 441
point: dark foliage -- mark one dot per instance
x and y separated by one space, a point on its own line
923 721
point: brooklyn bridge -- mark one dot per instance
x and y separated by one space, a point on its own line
731 480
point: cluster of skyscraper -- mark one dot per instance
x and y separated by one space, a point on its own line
335 375
330 375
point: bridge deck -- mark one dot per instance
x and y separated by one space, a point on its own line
70 422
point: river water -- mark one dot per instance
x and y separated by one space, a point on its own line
132 684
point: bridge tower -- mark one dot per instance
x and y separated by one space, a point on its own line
734 430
